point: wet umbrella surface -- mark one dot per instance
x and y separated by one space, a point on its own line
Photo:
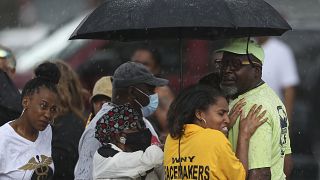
127 20
131 20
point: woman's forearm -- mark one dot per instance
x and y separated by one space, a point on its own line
242 150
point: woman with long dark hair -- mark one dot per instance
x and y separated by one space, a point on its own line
69 124
196 147
25 142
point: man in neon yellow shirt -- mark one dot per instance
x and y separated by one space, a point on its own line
269 148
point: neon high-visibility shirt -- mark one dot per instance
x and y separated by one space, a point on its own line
204 153
271 141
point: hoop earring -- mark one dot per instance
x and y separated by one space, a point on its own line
205 122
24 110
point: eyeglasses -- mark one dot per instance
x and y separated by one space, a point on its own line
236 64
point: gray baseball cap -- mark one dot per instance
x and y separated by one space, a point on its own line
132 73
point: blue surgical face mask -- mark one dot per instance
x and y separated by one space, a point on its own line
149 109
152 106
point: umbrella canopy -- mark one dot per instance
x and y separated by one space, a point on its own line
128 20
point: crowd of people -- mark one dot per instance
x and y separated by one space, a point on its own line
229 125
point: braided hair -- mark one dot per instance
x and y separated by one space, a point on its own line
46 75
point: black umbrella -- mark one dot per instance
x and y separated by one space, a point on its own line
128 20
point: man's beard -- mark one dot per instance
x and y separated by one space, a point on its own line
229 90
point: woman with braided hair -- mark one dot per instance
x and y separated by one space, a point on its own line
25 142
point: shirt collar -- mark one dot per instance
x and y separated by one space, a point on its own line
192 128
115 147
252 91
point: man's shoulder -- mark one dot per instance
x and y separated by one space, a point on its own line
277 44
266 97
278 50
260 94
266 91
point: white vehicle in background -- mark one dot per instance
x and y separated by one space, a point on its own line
48 48
20 39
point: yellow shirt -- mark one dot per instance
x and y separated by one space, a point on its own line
204 153
271 141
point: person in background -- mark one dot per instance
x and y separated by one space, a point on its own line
69 125
197 119
151 58
282 80
26 141
269 149
212 79
127 152
148 56
10 97
102 93
7 61
131 83
215 62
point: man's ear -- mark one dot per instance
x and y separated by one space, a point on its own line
258 72
13 70
132 92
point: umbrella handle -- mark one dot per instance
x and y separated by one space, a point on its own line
247 51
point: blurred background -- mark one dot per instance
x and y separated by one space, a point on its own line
38 30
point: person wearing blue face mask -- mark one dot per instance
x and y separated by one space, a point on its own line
150 57
152 106
132 83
